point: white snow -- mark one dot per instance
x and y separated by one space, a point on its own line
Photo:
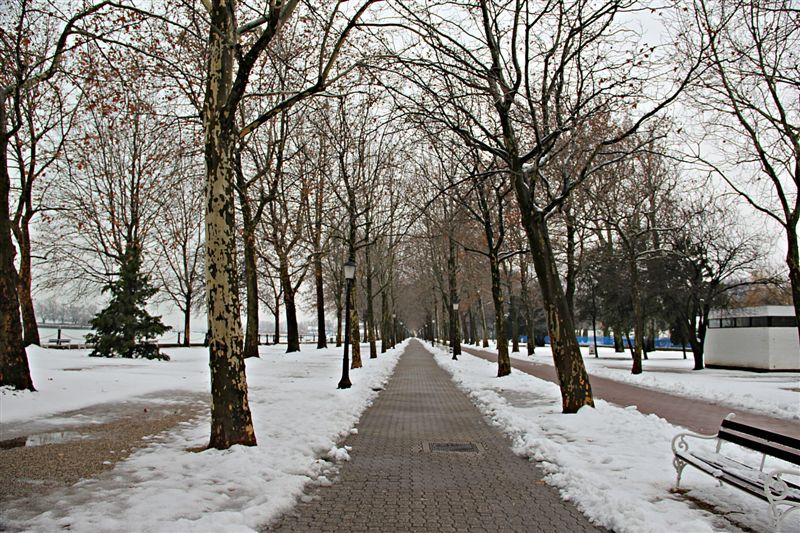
772 393
614 463
298 414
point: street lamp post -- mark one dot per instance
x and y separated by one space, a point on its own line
455 340
433 331
349 274
394 329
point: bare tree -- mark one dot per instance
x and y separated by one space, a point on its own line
180 238
750 95
229 71
516 80
22 76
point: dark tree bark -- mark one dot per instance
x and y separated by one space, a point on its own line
276 337
370 318
452 270
30 330
526 303
513 314
573 378
14 370
187 319
322 341
355 329
250 275
339 312
503 359
484 328
292 331
387 338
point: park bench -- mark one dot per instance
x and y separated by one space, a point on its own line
782 494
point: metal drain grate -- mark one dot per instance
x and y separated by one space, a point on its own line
453 447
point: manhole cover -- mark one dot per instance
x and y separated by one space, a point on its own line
453 447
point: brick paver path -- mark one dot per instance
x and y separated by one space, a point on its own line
695 414
393 481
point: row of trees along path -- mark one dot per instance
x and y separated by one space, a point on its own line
462 104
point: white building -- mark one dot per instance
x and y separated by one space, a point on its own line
761 338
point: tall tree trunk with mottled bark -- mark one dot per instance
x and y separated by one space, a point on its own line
231 420
572 376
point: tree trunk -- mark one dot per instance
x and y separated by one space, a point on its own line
231 421
619 347
793 262
452 270
514 316
276 338
484 329
251 284
14 370
30 330
339 322
370 318
473 333
576 391
292 333
386 336
187 319
503 360
569 291
638 319
355 329
526 304
322 341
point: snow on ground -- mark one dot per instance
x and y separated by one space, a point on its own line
614 463
298 414
772 393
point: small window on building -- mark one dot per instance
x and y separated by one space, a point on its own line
714 323
743 322
759 322
728 323
783 321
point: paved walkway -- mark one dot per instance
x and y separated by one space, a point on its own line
397 480
695 414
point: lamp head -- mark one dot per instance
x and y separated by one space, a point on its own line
349 270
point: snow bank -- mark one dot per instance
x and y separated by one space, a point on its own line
614 463
299 417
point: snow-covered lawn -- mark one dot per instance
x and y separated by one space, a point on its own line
298 413
614 463
772 393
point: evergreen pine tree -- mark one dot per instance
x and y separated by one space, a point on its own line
124 326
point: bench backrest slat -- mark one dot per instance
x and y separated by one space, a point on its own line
754 438
761 433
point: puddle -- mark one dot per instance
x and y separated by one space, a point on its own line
55 437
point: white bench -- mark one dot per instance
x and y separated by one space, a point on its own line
783 495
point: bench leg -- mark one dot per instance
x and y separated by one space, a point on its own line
679 465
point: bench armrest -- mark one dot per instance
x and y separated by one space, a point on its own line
775 487
679 441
